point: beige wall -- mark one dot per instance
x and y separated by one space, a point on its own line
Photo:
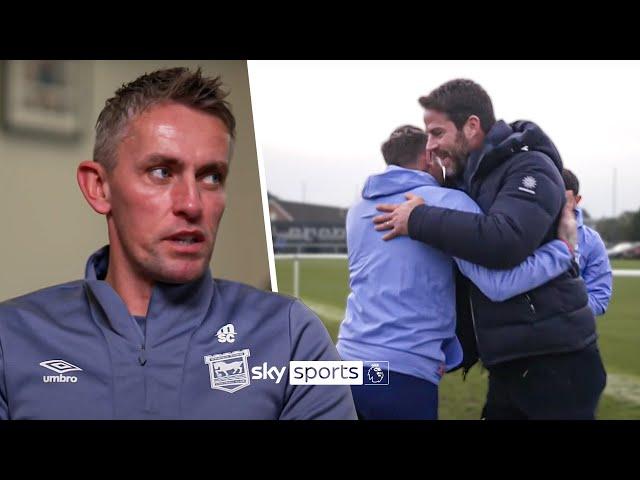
47 228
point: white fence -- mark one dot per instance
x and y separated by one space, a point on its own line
296 257
626 273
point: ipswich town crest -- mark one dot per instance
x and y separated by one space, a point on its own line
229 371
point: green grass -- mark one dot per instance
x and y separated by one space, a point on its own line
324 282
324 288
628 264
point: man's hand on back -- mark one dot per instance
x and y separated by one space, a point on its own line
397 217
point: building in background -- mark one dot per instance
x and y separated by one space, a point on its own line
298 227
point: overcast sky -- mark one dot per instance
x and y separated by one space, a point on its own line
319 124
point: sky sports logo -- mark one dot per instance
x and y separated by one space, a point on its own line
231 371
348 372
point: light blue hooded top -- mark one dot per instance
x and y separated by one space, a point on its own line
595 268
402 306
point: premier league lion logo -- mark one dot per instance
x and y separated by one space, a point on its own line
375 373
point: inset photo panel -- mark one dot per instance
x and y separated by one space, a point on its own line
468 231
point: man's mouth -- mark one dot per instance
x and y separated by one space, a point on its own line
186 241
187 237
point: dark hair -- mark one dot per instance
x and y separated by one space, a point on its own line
404 145
570 181
460 99
178 85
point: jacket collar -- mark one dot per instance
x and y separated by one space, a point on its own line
174 309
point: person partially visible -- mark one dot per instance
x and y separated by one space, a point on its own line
402 305
595 268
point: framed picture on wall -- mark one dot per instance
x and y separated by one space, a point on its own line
43 97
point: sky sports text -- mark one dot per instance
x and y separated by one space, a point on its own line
351 372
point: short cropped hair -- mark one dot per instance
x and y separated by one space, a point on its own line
404 145
179 85
570 181
459 99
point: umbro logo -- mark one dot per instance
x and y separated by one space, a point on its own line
60 367
227 334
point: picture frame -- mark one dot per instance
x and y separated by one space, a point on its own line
43 97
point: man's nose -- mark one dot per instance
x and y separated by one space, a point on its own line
432 144
186 199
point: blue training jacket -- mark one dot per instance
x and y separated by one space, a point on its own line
402 303
595 268
73 351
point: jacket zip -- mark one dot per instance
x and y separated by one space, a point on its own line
142 361
142 357
475 334
531 306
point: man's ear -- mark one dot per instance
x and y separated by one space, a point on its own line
472 129
578 198
92 179
424 161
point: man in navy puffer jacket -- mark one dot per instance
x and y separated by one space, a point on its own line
539 347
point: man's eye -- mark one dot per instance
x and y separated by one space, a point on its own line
213 178
160 172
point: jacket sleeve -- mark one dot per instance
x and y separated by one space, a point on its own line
4 408
546 263
514 226
597 274
465 328
310 341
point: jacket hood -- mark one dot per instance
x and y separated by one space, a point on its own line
395 180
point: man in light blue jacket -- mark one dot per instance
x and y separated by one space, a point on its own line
595 268
402 306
